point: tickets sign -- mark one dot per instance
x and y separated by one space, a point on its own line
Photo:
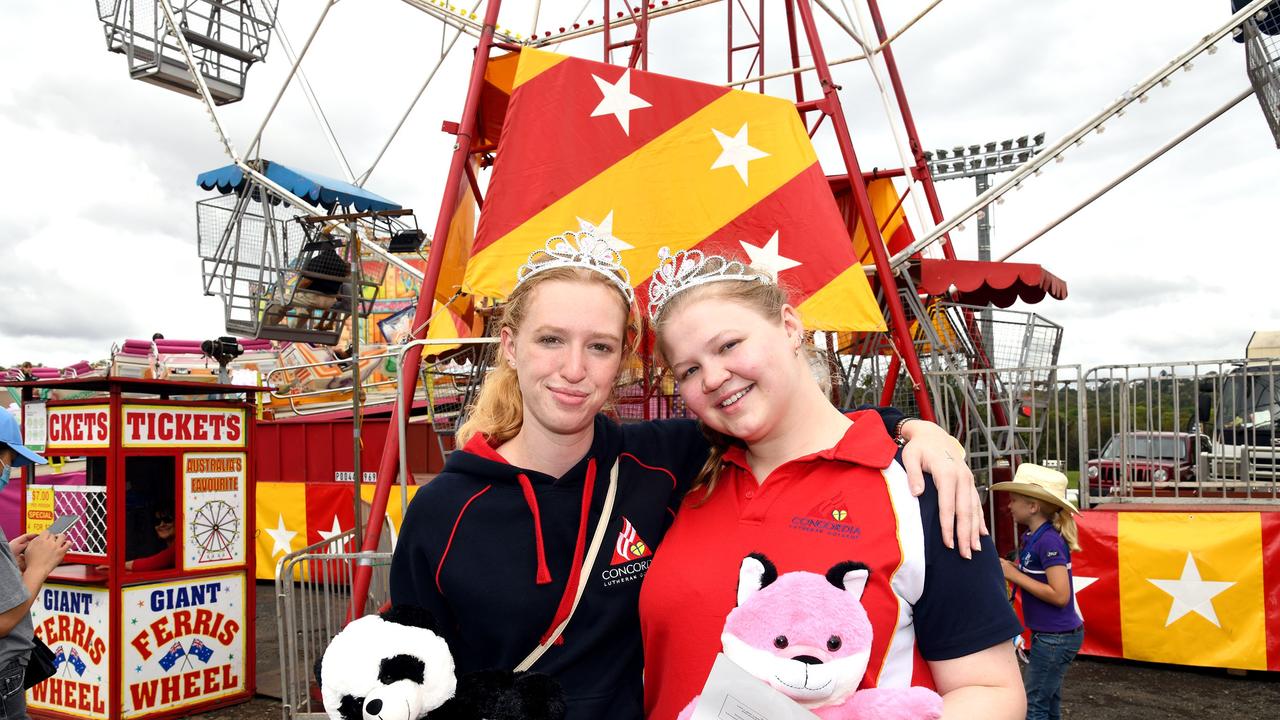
167 425
78 426
213 492
74 622
184 643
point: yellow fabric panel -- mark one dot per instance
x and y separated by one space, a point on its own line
277 503
533 63
457 248
665 193
1225 547
500 71
884 197
845 303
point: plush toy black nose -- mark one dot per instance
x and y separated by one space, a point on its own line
373 707
808 659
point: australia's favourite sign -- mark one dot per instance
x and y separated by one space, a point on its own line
184 643
89 426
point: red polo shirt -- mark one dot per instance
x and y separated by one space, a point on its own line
849 502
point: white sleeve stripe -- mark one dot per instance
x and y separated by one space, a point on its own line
907 581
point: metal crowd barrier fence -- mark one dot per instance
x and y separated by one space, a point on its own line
1204 431
313 592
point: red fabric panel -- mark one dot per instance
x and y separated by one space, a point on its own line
553 137
1100 602
809 232
324 502
1271 585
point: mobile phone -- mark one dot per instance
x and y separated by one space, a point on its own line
63 523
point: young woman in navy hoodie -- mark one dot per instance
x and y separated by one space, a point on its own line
495 546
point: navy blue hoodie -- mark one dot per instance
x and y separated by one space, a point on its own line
489 549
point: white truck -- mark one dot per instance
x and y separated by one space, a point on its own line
1240 411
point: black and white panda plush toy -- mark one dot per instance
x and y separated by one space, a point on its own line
386 667
394 666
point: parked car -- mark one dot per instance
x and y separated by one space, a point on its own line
1153 458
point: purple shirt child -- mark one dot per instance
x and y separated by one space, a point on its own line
1042 550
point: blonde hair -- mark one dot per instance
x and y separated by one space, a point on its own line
498 410
1063 521
767 299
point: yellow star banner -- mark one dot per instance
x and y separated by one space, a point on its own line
649 161
1191 587
295 515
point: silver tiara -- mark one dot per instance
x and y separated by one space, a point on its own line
690 268
580 250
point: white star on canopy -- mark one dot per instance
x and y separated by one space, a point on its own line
334 545
1078 584
736 153
604 231
281 536
1191 594
618 100
768 258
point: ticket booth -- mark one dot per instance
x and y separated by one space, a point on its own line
151 613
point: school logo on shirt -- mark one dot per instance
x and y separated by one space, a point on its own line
629 546
829 518
631 557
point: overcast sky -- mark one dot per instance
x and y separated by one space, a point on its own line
98 224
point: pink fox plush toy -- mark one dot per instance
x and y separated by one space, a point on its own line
809 638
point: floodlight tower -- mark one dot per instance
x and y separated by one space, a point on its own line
980 162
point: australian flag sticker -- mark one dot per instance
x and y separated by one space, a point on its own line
200 650
74 660
171 658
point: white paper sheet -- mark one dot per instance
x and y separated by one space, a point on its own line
732 693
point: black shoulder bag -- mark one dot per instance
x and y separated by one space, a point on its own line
40 666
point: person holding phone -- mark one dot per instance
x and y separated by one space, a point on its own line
25 563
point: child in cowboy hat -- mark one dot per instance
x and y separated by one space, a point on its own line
1043 573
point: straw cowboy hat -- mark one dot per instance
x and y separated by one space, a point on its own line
1039 483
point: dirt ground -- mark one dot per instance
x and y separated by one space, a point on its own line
1095 688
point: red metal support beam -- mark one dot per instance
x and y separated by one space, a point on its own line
388 467
897 317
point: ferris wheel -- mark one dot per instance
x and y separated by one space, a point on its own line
214 528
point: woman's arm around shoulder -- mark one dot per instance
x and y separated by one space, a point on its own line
964 628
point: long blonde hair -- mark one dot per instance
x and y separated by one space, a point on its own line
498 410
766 298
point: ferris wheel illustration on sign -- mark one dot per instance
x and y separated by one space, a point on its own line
214 528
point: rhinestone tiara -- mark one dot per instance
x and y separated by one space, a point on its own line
581 250
689 268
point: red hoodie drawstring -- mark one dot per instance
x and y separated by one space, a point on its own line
544 575
579 549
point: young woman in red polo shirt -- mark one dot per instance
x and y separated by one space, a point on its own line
496 546
794 478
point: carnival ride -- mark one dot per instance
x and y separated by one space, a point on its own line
951 349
